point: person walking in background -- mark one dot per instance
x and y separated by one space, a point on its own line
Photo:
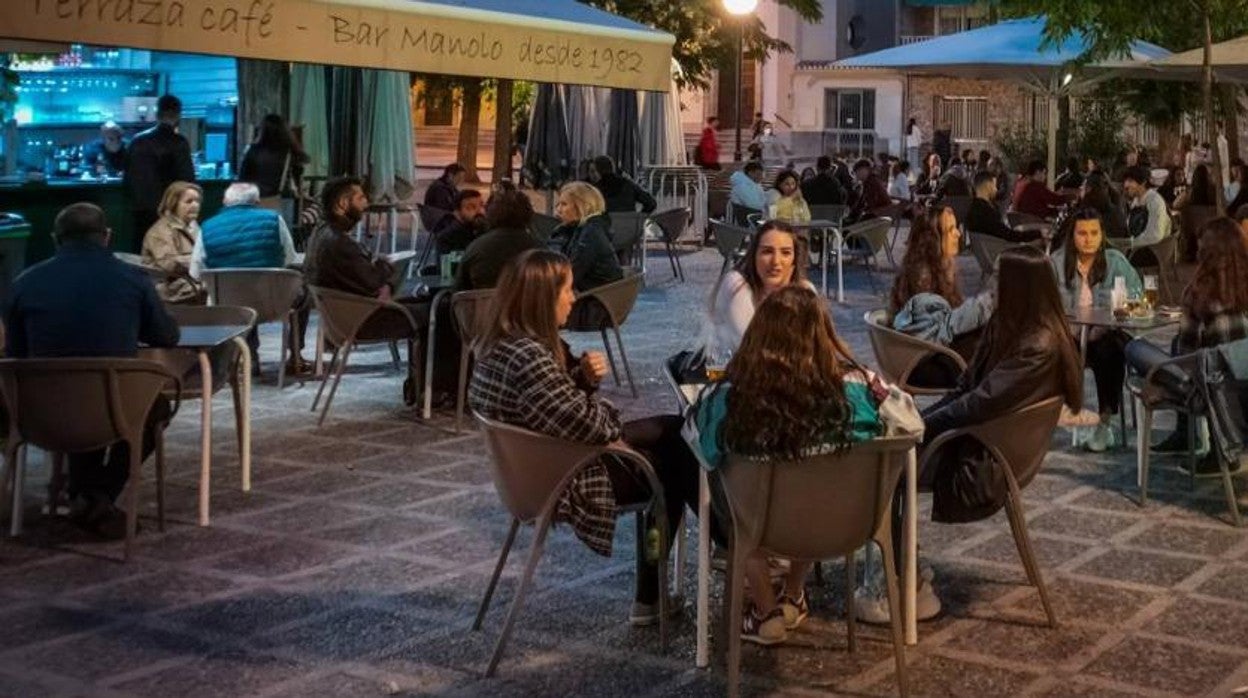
707 153
158 157
621 194
914 139
273 162
441 192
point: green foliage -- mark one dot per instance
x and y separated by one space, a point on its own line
706 35
1020 145
1099 131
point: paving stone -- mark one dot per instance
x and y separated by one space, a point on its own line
233 672
275 559
41 622
385 530
1085 602
1165 666
1095 526
1228 583
1023 642
1206 621
354 634
258 611
1193 540
941 676
152 592
1143 568
112 651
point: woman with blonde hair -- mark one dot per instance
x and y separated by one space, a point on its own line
171 239
527 377
584 236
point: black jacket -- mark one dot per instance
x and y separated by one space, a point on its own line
441 194
158 157
984 219
487 255
85 302
623 194
823 189
1032 374
588 247
335 261
264 166
454 235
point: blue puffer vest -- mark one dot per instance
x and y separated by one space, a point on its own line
244 236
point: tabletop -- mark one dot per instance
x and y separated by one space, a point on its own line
209 336
817 223
1104 317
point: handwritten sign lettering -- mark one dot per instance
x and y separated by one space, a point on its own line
343 33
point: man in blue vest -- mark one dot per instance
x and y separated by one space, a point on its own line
243 235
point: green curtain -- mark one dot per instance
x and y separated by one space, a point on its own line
308 109
386 137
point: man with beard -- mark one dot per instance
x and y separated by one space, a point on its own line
336 261
463 224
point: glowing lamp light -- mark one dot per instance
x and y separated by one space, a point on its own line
1066 80
740 7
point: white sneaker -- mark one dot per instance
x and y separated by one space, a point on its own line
872 607
1101 439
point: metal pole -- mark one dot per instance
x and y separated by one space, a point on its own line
736 155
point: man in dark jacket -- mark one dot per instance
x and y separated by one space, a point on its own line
158 157
824 188
983 218
463 224
621 193
869 196
441 192
508 218
84 302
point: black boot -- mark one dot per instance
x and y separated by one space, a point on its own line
1177 441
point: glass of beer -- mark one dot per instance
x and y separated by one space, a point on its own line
1150 291
717 364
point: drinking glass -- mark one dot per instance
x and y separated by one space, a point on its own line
1150 291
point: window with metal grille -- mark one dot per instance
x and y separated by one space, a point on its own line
1036 113
967 115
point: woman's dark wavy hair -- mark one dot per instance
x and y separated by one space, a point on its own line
1221 280
509 209
786 174
787 378
923 269
801 252
1201 186
1070 256
1028 302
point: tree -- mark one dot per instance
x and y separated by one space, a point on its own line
1111 26
706 35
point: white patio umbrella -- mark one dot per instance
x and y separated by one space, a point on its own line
1014 50
662 140
391 165
1228 58
587 132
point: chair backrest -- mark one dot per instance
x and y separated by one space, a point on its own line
672 222
626 230
270 292
619 297
155 273
469 309
528 467
961 206
986 249
897 353
76 405
1021 438
543 226
212 315
828 212
729 239
817 508
755 221
342 313
1164 250
873 230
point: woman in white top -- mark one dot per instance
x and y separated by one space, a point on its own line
899 181
914 138
776 258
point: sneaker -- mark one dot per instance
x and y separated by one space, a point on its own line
872 607
1174 443
1102 438
766 631
1208 466
795 610
647 614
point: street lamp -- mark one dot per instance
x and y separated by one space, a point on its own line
739 8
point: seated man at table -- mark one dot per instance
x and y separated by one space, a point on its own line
1033 196
441 192
824 189
336 261
747 195
508 217
243 235
84 302
1148 218
463 224
622 194
983 217
870 195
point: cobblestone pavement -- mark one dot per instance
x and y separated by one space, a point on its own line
354 565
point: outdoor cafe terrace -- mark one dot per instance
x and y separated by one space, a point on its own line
354 565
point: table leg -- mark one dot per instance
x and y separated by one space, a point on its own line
840 275
392 219
426 411
1083 361
911 544
244 455
703 651
205 435
823 262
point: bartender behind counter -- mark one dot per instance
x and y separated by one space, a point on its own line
106 155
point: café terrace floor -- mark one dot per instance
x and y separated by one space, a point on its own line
354 566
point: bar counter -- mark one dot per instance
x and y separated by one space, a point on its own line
39 202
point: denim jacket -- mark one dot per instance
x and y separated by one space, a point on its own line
1116 265
929 317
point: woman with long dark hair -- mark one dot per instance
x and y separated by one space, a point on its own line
792 389
1200 191
273 159
1086 272
1215 311
929 176
774 259
925 301
527 377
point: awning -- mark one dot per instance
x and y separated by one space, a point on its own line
1228 58
556 41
